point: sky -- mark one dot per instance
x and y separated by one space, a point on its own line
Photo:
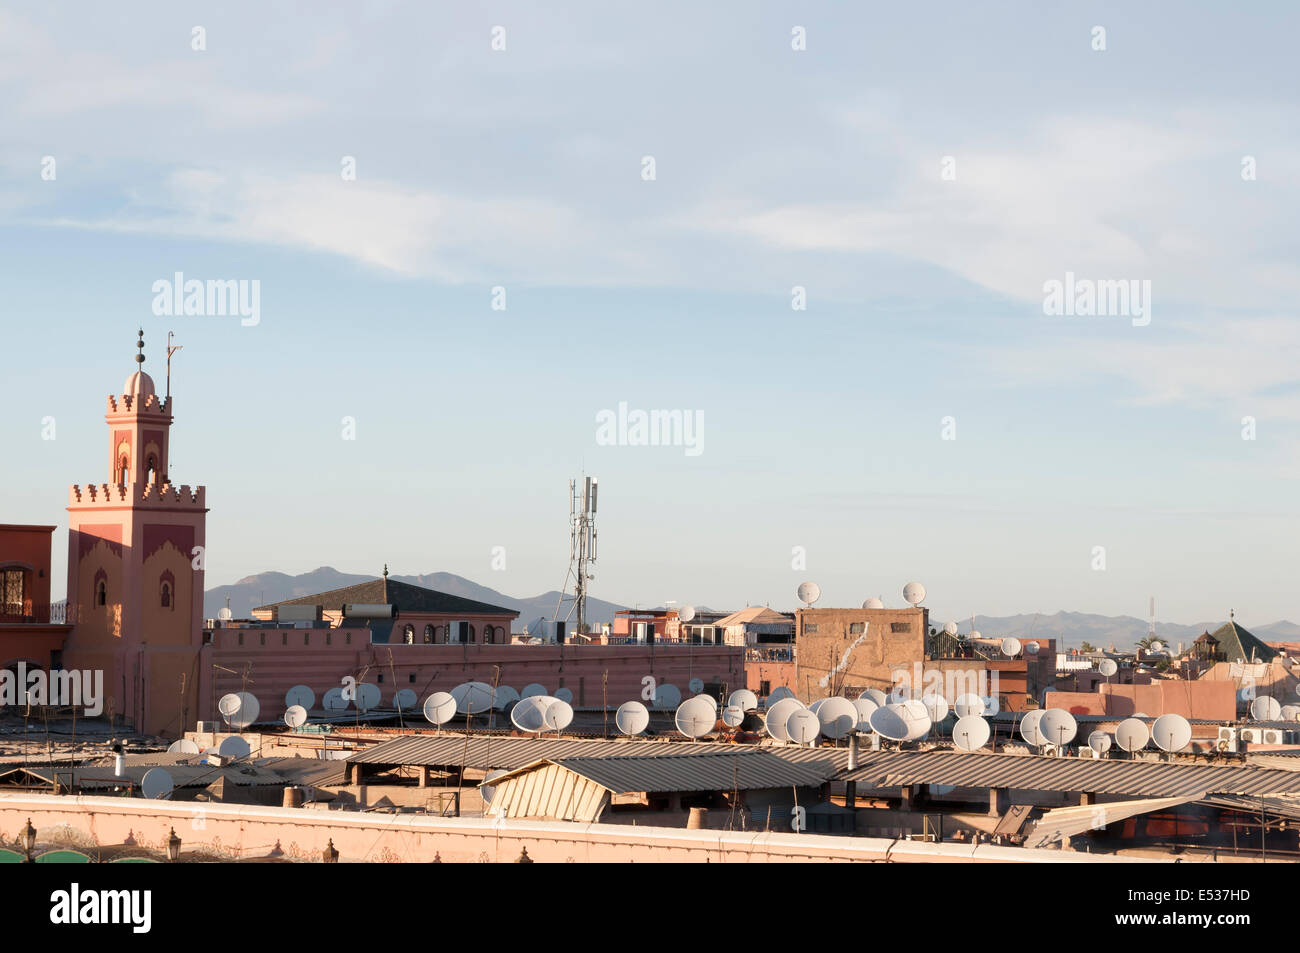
651 191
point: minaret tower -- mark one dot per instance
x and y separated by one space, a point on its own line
135 568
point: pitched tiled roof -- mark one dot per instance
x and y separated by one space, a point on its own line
403 596
757 615
1237 644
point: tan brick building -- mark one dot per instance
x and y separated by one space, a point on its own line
846 651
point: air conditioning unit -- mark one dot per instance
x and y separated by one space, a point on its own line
1252 736
1227 740
1086 752
1273 736
1050 750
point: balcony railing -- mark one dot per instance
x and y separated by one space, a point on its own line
36 613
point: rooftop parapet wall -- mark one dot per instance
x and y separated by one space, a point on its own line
135 494
126 404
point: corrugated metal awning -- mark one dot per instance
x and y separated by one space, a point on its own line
1063 822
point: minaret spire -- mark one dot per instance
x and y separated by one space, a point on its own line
139 358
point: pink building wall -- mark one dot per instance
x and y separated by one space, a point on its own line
1215 701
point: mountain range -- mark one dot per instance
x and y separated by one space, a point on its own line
1070 629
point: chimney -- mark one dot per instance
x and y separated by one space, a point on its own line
853 751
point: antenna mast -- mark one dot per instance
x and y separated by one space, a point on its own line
582 548
171 349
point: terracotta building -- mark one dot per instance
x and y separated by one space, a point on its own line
32 630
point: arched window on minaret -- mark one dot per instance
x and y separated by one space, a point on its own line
409 635
123 472
428 635
165 596
151 471
101 593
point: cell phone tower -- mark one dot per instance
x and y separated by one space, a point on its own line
582 549
1151 627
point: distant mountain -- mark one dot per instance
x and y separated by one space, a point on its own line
268 587
1071 629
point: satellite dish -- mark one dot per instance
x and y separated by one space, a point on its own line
914 593
299 695
334 700
529 714
667 697
968 706
632 718
950 628
1141 714
1171 732
233 747
802 726
368 697
713 702
777 715
877 696
918 718
838 717
228 705
695 718
865 706
1058 727
1291 713
778 693
936 707
809 592
564 695
1031 648
975 633
1132 735
486 790
224 614
1010 647
295 716
875 602
686 613
184 746
439 708
696 685
1029 728
248 710
558 715
1156 646
472 698
504 697
533 689
156 783
1107 667
814 705
404 699
890 722
970 733
744 699
1265 708
733 716
991 705
1099 742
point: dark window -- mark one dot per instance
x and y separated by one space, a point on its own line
166 596
101 594
411 678
765 688
329 638
900 627
241 638
347 638
381 678
263 642
857 628
11 592
284 638
306 638
810 629
428 635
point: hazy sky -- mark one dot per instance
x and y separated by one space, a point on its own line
774 168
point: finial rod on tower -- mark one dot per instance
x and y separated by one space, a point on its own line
139 358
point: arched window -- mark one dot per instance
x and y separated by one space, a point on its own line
151 470
489 634
408 635
124 472
101 593
471 633
428 635
439 634
166 595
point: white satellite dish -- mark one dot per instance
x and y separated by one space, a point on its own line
404 699
1291 713
472 698
875 602
1029 728
1265 708
838 717
532 689
245 711
1156 646
295 716
558 715
529 714
564 695
439 708
950 628
487 790
815 704
968 706
233 747
505 697
877 696
224 614
914 593
632 718
975 634
696 685
334 700
777 715
184 746
778 693
713 702
300 695
733 716
695 718
228 705
1171 732
368 697
1010 647
890 722
1107 667
1031 648
809 592
970 733
1099 742
744 699
1058 727
686 613
991 705
865 706
918 718
802 726
936 706
1132 735
667 697
156 783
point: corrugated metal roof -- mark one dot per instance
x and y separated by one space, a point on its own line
1037 773
1064 822
182 775
740 769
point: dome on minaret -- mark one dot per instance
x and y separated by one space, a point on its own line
139 385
